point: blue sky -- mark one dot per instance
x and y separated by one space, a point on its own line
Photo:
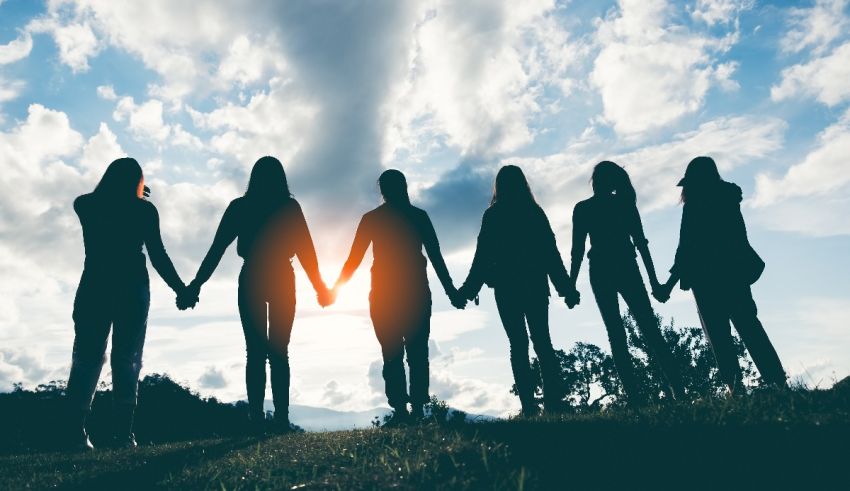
447 92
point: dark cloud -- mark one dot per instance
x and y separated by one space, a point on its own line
212 378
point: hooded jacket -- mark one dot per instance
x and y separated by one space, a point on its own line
713 245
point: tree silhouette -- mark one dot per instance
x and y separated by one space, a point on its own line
590 378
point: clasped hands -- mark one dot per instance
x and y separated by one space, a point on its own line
662 292
189 295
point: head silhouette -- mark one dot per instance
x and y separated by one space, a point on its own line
267 181
393 187
511 187
123 179
609 178
700 174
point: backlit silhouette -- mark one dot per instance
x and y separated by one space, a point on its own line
114 293
269 227
400 299
516 255
716 261
611 219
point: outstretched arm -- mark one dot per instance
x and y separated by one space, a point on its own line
306 252
224 236
642 245
577 249
362 239
432 248
554 263
159 258
482 260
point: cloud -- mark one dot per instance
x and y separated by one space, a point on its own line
813 196
824 78
212 378
16 49
106 92
21 367
719 11
815 27
650 72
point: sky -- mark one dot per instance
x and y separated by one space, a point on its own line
447 92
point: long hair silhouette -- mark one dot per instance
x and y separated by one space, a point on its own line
393 186
516 255
270 229
701 174
511 187
123 179
114 293
610 178
267 182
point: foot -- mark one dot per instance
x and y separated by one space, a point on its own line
126 441
400 417
282 426
80 442
257 427
418 412
530 411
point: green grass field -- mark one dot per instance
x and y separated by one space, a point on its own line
794 440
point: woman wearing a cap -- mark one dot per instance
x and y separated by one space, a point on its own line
716 261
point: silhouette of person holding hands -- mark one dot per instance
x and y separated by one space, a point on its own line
516 254
400 298
114 294
612 221
269 228
715 260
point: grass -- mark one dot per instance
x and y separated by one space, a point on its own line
794 439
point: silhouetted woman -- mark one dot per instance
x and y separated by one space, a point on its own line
114 293
610 217
516 255
716 261
400 299
269 228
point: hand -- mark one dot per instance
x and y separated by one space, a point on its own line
662 292
326 296
188 297
457 299
572 299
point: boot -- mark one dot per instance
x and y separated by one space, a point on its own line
123 415
418 412
78 438
280 424
257 424
400 417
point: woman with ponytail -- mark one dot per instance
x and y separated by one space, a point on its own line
611 218
400 299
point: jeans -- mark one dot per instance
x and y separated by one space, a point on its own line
267 314
99 307
516 309
403 325
627 281
719 304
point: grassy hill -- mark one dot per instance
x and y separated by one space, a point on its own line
793 439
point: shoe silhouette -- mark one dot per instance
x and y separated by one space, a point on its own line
612 221
715 260
269 229
114 290
400 298
516 255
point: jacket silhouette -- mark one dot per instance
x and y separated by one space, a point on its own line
270 229
114 292
516 255
612 221
400 298
715 260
